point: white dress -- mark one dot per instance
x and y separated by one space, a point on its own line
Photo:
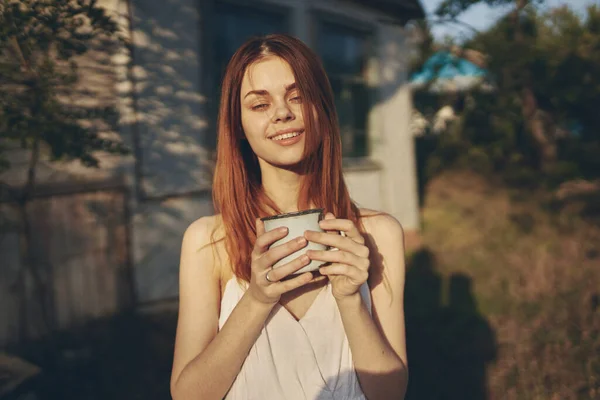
309 359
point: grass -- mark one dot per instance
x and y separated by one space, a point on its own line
530 288
124 357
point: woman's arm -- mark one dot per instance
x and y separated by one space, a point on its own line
207 361
377 343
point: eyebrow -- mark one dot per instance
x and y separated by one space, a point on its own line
263 92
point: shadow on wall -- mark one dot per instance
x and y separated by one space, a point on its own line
172 131
449 342
173 121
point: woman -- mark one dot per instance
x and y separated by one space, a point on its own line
245 332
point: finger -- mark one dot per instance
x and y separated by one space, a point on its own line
276 253
356 276
277 274
342 257
293 283
266 239
260 227
342 225
337 241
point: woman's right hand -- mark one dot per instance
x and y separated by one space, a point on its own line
268 289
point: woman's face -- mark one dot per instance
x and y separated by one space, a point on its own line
271 114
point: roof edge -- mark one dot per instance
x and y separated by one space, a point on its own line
403 10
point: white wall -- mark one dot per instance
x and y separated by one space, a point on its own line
394 146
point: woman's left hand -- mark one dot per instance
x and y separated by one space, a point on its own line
349 265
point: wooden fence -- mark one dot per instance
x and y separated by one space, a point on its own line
80 259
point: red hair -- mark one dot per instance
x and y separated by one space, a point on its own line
237 187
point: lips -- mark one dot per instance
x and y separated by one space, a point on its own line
289 135
286 134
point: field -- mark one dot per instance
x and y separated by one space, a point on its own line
502 300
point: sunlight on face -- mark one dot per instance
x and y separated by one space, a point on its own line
271 114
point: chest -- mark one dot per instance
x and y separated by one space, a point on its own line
298 301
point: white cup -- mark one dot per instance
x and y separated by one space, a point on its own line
297 223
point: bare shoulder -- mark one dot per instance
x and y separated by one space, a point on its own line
203 239
385 238
201 231
197 248
197 262
381 225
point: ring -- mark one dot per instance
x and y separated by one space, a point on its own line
267 277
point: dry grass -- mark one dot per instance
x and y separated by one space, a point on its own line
535 279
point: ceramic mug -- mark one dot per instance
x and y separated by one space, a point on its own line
297 223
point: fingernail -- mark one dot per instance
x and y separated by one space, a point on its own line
304 258
301 240
282 229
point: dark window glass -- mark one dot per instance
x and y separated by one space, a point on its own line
235 24
345 53
232 26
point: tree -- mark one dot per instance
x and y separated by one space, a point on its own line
40 41
545 67
568 82
520 33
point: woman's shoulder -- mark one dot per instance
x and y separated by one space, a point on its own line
208 233
384 236
203 230
379 222
202 236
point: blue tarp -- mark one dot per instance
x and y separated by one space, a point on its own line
446 66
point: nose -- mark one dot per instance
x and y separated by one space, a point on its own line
282 113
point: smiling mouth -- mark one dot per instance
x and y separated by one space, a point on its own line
287 135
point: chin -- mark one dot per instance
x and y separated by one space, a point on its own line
287 159
288 164
292 163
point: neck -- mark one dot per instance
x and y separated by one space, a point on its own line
282 186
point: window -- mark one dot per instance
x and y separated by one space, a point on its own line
345 52
233 24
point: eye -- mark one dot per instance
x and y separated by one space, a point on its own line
296 99
260 107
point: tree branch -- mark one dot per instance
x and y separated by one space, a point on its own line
457 22
17 49
35 155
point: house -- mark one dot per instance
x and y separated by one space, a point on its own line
165 84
